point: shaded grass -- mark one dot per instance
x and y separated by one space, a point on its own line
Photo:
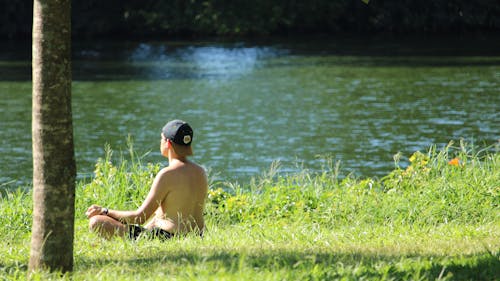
428 221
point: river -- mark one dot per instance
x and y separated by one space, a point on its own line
298 102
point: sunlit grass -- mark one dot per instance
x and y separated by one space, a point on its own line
430 220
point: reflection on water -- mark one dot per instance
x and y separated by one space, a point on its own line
223 63
159 61
252 105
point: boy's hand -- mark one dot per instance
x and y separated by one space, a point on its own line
93 211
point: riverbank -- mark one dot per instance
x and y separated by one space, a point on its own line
437 218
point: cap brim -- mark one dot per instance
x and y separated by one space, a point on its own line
183 150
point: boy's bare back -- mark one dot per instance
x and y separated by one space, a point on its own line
181 210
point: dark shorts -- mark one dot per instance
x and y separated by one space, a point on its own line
136 231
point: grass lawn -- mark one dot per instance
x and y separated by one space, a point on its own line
433 220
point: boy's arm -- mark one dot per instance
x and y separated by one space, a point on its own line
157 193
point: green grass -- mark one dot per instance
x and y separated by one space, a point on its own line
428 221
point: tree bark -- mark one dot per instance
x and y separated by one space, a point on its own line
54 169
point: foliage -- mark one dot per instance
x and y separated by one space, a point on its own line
430 220
150 18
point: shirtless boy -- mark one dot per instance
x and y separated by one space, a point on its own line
175 201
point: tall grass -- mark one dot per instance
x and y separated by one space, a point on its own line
431 220
429 192
121 185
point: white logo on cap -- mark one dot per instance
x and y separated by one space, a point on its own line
187 139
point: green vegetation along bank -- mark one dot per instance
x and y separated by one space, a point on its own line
159 19
436 219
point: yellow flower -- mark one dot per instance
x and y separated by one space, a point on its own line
419 159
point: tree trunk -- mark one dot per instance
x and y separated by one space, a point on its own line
54 169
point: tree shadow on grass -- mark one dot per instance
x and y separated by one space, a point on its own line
483 266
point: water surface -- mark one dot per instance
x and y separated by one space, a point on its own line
252 104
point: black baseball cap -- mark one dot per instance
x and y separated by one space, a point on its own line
180 133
